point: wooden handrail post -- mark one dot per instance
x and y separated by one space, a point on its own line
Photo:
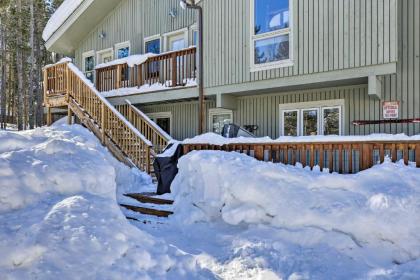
174 70
118 80
103 122
45 86
148 160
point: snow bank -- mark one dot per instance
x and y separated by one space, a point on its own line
59 216
59 17
131 60
372 215
216 139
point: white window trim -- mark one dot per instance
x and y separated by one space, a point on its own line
218 111
162 115
282 120
101 52
193 28
84 56
152 38
340 111
183 31
122 45
252 38
320 106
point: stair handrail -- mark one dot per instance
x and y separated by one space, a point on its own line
159 138
112 123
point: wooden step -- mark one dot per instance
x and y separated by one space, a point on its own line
148 211
149 199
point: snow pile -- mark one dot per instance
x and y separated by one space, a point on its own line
59 216
59 17
372 215
216 139
131 60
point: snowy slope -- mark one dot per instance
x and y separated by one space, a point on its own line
368 221
59 217
235 217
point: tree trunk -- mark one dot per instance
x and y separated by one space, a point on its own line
19 64
3 77
32 75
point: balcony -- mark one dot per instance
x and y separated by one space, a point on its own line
147 73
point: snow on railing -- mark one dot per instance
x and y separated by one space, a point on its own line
342 154
79 91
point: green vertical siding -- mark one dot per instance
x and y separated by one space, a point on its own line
184 116
328 35
133 20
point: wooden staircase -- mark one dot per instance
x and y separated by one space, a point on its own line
146 205
129 135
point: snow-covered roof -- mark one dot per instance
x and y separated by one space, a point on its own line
59 17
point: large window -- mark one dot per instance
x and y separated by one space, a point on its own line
310 119
271 34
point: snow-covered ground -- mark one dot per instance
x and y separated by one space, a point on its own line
235 217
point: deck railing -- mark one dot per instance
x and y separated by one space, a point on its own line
170 69
159 138
65 79
341 157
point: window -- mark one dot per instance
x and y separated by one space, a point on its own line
271 34
311 118
105 56
89 65
152 46
122 50
218 118
163 120
176 40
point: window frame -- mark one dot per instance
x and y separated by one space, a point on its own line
85 55
340 125
122 45
215 112
253 38
179 32
152 38
317 109
104 51
318 105
282 121
162 115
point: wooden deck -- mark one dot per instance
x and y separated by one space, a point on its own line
341 157
171 69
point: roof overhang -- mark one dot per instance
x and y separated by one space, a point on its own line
78 25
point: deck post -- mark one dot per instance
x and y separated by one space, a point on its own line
49 116
118 80
174 70
45 86
69 116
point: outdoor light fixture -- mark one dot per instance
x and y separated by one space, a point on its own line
102 35
172 13
190 4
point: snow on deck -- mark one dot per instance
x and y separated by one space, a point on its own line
216 139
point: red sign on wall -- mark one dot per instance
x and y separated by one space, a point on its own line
391 109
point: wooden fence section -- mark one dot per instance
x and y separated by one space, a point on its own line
100 116
159 139
170 69
341 157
